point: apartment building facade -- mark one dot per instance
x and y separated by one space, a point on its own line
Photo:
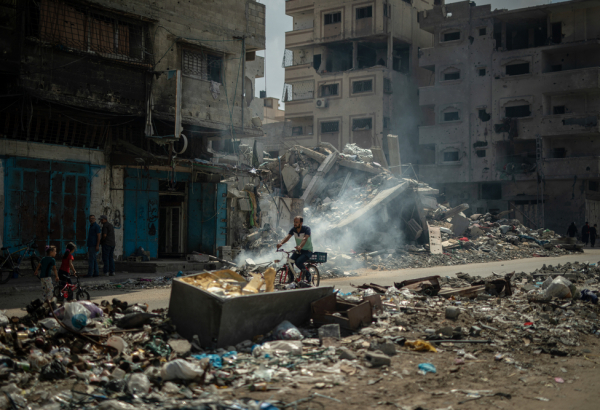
351 72
108 107
511 121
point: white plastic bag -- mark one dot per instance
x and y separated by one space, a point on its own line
49 323
138 384
180 369
287 331
280 347
76 316
559 288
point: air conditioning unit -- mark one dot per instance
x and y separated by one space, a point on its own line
321 103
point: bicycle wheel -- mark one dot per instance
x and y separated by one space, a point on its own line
82 295
315 277
5 274
57 293
35 261
281 277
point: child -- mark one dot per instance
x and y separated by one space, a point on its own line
47 263
66 268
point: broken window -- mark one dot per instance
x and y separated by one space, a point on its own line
451 156
491 191
338 58
333 18
300 90
451 116
482 72
451 36
386 123
201 65
364 12
361 124
556 67
317 61
517 111
401 59
594 186
557 33
559 153
483 115
482 31
452 75
362 86
517 69
558 109
296 131
89 30
329 89
387 86
330 126
480 153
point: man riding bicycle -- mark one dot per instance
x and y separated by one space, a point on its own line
304 248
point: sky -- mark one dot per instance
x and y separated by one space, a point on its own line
277 23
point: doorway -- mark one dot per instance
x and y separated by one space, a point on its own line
170 221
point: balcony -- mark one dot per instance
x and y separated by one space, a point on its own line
571 124
299 38
583 167
296 6
571 80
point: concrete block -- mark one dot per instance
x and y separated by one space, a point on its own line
379 156
459 225
345 353
377 359
435 240
452 313
290 177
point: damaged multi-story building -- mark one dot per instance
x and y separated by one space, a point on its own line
120 108
352 74
511 121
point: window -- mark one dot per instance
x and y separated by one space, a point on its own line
330 126
329 89
558 110
333 18
296 131
361 124
593 186
482 31
202 65
387 86
480 153
517 111
559 153
386 123
452 36
317 61
517 69
556 67
362 86
364 12
557 33
91 31
451 116
451 156
454 75
482 72
491 191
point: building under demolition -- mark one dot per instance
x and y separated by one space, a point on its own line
122 108
511 121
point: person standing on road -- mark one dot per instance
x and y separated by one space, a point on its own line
572 230
593 234
93 245
108 246
304 248
585 233
44 268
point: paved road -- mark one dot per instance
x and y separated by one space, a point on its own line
14 303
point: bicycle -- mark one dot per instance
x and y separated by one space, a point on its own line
311 265
9 268
67 291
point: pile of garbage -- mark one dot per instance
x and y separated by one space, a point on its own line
133 284
380 340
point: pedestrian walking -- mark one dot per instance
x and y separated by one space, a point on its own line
108 246
572 230
93 245
44 269
593 234
585 233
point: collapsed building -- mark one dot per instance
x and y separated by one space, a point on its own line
126 109
511 119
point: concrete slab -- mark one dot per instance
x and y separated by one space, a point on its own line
379 156
435 240
317 183
221 322
381 199
290 177
459 225
361 166
395 164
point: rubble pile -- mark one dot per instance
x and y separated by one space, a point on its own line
134 284
436 331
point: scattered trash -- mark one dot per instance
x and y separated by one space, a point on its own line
425 368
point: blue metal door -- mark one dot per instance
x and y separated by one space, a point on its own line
141 213
46 200
207 217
